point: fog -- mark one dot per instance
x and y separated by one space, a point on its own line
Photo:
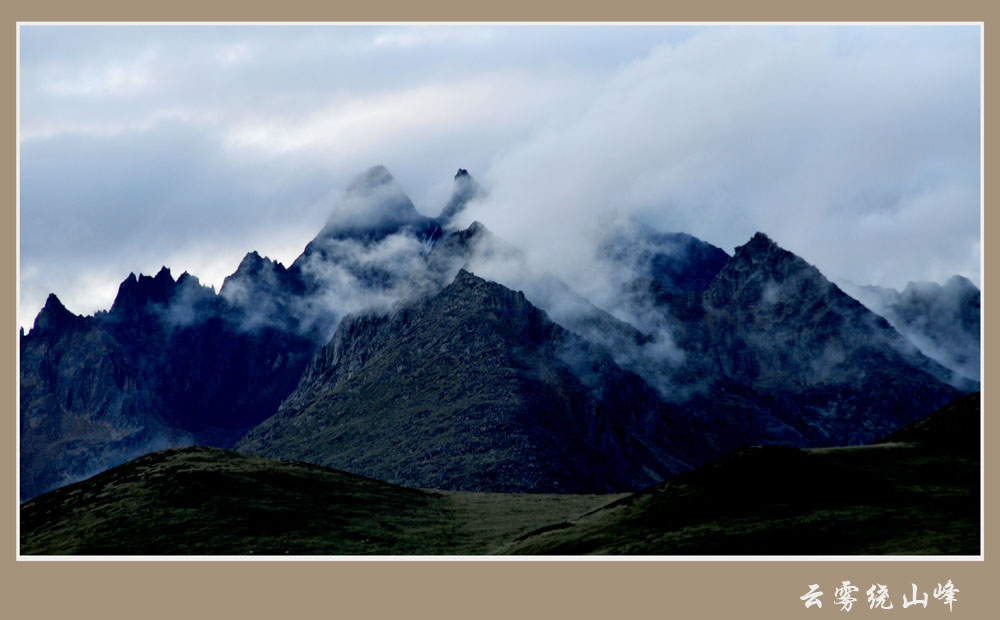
942 321
856 147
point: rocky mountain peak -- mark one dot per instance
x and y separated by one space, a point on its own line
258 283
370 179
465 190
760 270
464 278
186 279
252 263
53 316
759 245
467 283
761 252
676 262
956 287
958 296
54 306
373 206
135 293
795 327
163 276
378 188
960 282
474 232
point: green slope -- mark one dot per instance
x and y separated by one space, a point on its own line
918 494
871 500
207 501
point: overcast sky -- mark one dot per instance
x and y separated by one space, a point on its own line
856 147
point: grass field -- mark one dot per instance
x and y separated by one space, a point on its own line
208 501
884 499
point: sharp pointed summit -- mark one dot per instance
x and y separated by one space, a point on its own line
253 262
760 245
52 304
464 191
758 268
163 275
53 315
134 293
254 272
372 207
374 177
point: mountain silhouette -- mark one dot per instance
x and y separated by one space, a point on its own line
378 351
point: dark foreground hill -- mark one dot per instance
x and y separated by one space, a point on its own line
202 501
919 497
891 498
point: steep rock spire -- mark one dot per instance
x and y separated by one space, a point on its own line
464 190
136 293
53 316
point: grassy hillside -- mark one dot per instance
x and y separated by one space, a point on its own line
209 501
918 494
880 499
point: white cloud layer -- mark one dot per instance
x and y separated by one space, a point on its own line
855 147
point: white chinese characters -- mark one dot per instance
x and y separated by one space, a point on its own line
915 600
843 596
878 596
946 593
812 596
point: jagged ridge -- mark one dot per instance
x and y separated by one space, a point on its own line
475 389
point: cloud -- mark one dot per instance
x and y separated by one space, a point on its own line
409 38
94 207
480 110
861 155
142 146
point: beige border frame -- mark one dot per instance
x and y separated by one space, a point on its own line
488 589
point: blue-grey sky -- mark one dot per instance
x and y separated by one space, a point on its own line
857 147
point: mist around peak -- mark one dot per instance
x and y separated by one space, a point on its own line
942 320
749 347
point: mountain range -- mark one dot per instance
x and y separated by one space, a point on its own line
389 349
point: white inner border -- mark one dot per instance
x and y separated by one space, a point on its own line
424 558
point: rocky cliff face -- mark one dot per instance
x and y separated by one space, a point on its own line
783 355
170 364
84 406
476 389
465 190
